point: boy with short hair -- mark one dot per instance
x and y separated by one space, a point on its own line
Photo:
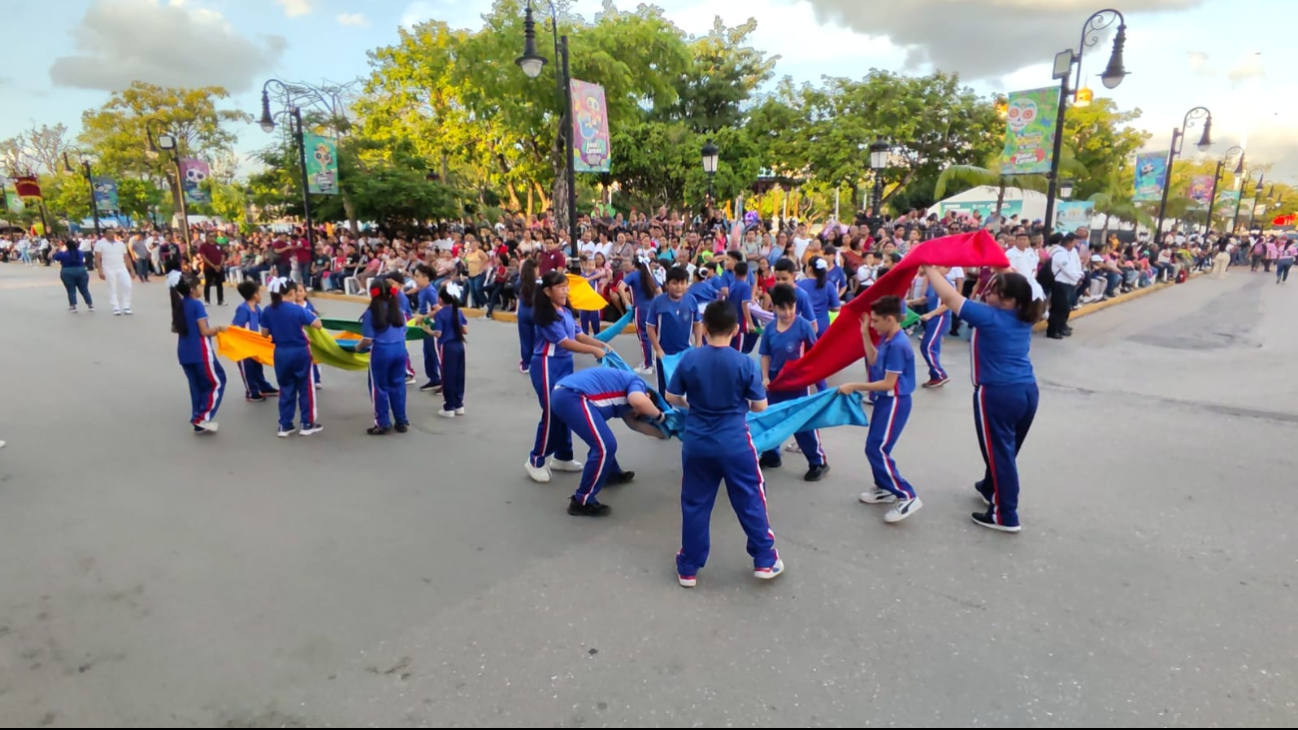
785 341
719 386
892 381
248 316
427 304
673 322
740 298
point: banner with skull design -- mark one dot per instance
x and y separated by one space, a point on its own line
193 173
321 164
1030 131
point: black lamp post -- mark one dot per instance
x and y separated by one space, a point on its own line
1256 191
879 154
1216 179
1066 189
90 181
1178 135
532 62
294 115
168 142
1113 75
711 154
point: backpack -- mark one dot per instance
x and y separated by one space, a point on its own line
1046 276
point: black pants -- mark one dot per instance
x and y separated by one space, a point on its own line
213 277
1061 305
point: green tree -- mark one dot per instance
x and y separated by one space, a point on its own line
723 73
137 198
1102 139
116 132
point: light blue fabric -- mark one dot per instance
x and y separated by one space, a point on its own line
776 424
616 328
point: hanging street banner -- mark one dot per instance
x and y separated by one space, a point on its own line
1259 209
1246 206
106 194
27 186
591 152
193 173
321 164
1201 190
1151 171
1226 203
12 202
1072 214
1030 131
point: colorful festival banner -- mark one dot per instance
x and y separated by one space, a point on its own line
591 151
1229 198
1072 214
1201 189
1151 171
1030 132
321 164
986 207
106 194
13 203
193 173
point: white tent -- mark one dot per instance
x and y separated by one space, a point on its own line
1029 205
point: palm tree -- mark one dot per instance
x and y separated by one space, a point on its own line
992 176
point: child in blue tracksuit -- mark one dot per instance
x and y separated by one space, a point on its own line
823 295
248 316
639 287
591 320
937 320
719 386
426 301
526 324
283 321
383 327
740 297
785 341
674 321
892 381
310 308
1005 387
586 402
556 339
411 376
450 327
196 353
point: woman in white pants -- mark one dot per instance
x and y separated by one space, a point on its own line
114 265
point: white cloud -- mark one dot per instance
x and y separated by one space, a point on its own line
296 8
1249 67
120 41
1199 64
356 20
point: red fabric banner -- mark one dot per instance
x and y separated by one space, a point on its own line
28 187
841 344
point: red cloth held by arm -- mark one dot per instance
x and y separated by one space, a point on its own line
841 344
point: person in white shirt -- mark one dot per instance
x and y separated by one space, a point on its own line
1025 260
1067 269
114 264
25 250
800 242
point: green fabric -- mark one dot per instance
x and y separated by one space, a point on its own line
413 332
326 351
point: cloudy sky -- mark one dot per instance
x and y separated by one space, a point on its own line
1181 53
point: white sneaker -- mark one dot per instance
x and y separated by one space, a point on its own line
318 386
771 573
446 414
313 428
793 448
209 426
2 444
285 432
411 380
689 582
568 466
645 370
878 496
902 510
126 311
117 312
459 411
539 474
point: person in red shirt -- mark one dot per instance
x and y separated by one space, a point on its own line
302 254
552 258
213 272
283 257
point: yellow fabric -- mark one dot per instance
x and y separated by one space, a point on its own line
582 296
238 344
325 351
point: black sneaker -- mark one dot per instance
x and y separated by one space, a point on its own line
256 399
403 427
816 473
270 392
769 461
434 387
985 520
621 478
378 431
590 509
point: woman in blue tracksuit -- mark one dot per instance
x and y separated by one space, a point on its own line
1005 387
937 320
526 288
823 295
196 352
639 287
556 339
284 321
383 329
